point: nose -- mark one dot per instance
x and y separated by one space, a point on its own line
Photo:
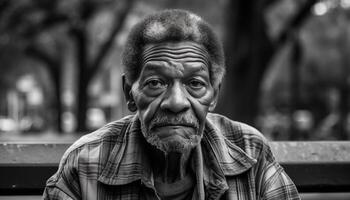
176 100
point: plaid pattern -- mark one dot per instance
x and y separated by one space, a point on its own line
233 161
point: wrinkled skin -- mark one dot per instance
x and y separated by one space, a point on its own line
173 95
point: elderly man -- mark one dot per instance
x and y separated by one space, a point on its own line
172 148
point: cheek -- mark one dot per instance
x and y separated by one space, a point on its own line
201 105
146 105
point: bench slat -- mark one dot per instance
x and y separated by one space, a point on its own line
313 166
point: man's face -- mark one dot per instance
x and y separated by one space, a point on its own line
173 94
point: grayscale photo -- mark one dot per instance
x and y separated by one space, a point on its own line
175 100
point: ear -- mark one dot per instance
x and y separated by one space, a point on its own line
126 89
128 95
215 98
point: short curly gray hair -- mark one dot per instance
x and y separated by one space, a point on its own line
172 26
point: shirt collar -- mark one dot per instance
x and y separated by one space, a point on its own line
232 159
129 162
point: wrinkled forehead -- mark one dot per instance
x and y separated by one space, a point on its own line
182 52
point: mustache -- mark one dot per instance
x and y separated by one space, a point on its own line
162 119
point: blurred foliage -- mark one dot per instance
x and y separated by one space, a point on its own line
320 87
73 43
50 31
288 69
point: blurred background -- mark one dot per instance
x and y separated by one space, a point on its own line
288 64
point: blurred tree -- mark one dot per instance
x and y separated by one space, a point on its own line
46 30
323 67
249 50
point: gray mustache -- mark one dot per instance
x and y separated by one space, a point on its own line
179 120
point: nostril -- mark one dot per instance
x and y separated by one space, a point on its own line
176 99
175 104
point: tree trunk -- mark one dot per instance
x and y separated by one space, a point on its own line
344 85
54 65
82 105
295 88
82 100
86 70
59 107
248 51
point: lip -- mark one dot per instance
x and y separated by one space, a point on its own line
174 125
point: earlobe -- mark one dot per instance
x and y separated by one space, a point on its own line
131 106
212 106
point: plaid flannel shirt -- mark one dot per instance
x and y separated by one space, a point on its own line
235 162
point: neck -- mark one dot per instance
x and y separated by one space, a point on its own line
170 167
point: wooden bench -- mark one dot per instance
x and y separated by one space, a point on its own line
313 166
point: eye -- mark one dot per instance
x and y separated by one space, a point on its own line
196 84
155 84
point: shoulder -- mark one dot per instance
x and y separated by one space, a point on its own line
246 137
111 132
92 149
95 147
